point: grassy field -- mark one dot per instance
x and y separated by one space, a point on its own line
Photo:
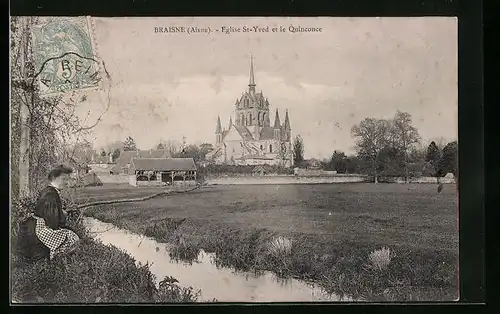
332 228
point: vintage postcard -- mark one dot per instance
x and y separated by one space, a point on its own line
256 159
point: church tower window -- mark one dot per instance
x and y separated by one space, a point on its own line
270 148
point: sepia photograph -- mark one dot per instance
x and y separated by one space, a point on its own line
233 159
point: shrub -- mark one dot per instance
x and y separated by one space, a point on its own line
380 259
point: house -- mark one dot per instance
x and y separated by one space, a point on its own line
162 171
123 162
101 164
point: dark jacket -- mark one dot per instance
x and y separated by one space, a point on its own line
48 207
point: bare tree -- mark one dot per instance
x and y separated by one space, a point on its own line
372 137
172 147
403 136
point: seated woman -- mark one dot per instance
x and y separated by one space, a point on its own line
48 222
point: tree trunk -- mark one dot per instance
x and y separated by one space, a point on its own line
24 160
406 169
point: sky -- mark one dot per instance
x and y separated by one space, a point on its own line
166 86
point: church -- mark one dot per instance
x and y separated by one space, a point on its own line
251 140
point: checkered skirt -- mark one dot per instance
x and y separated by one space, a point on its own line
58 241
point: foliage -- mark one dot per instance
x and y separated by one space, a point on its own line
338 162
214 169
116 154
170 290
433 153
129 144
388 145
448 162
298 150
192 151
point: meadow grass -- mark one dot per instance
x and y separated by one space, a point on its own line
381 242
92 273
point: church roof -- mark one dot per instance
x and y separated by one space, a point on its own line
287 121
277 123
244 133
267 133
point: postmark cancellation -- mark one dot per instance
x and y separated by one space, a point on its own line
65 53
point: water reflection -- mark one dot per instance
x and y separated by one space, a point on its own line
223 284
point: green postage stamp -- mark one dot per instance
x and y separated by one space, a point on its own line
65 55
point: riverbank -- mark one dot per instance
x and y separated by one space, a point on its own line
92 273
333 234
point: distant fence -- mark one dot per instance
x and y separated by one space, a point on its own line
314 172
445 180
316 179
286 179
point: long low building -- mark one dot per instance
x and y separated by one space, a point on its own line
162 171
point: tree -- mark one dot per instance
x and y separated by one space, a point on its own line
191 151
129 144
448 163
372 137
433 155
103 153
206 147
283 154
298 150
337 162
172 147
403 136
352 164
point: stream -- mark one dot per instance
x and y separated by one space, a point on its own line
223 284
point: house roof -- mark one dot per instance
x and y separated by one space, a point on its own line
162 164
126 156
123 160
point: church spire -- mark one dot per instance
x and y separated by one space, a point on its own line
251 84
287 121
230 122
277 123
218 129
